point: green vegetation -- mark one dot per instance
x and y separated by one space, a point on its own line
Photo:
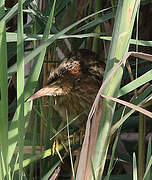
32 36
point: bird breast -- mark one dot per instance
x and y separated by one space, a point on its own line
78 101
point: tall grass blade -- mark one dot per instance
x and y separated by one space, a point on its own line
110 168
134 167
136 83
20 87
148 176
12 37
148 168
124 21
33 77
3 96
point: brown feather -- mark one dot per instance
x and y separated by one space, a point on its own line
74 84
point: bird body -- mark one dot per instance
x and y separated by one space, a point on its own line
74 84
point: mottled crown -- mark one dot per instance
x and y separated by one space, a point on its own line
82 61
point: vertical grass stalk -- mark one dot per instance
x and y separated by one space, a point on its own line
3 97
134 167
124 21
98 6
141 145
30 86
20 87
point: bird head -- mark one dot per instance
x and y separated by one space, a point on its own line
66 77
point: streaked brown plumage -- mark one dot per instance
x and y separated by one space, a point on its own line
74 84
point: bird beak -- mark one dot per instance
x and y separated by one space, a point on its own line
50 90
46 91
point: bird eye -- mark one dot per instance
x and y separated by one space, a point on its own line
78 80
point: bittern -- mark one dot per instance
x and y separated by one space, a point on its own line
73 85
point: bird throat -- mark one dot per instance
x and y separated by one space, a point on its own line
77 102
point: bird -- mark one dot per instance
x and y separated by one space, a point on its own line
74 84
